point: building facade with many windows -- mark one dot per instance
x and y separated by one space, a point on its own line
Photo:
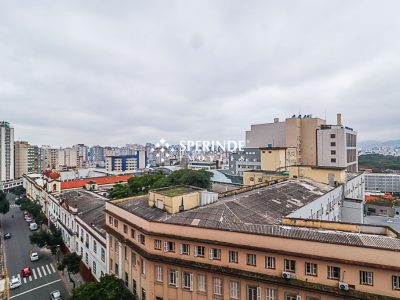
243 247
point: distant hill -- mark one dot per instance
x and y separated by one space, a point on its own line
371 144
378 162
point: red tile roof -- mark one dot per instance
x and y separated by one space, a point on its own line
52 174
99 180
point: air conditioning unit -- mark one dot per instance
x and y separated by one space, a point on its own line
287 275
344 286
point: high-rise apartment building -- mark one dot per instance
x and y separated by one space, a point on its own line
21 150
126 163
34 163
337 146
6 151
96 154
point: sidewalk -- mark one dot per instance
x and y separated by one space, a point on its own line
65 279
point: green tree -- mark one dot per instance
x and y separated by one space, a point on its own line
34 208
4 204
108 288
40 238
19 190
71 262
120 191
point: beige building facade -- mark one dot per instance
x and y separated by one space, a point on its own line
21 158
229 250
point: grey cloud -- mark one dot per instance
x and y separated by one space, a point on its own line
115 73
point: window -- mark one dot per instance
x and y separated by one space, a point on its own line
251 259
311 269
133 259
291 296
115 223
366 278
215 253
110 220
333 152
125 253
116 269
333 144
157 244
173 276
94 246
143 266
94 267
234 289
111 263
396 282
169 247
290 265
116 247
233 257
333 136
125 229
199 251
103 255
333 160
126 279
333 272
217 283
270 294
143 294
159 273
253 292
184 249
142 239
187 280
270 262
132 233
201 283
134 287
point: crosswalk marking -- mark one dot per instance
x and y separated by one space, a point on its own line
40 273
19 276
30 278
48 269
44 271
54 270
25 280
34 274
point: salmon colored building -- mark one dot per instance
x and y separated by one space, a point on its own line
181 243
97 180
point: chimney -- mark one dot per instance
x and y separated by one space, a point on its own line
339 119
276 120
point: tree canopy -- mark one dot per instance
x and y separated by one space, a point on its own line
108 288
4 204
379 162
140 185
71 262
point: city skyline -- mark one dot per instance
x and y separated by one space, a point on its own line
105 74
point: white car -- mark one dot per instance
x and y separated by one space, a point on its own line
15 282
33 226
28 219
34 256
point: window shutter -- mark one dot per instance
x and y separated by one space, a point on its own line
165 246
180 248
210 253
195 251
191 281
177 278
258 293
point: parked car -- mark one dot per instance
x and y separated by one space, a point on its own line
28 219
15 282
33 226
26 272
7 236
34 256
55 295
25 213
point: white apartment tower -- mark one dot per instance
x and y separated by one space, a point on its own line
337 146
6 151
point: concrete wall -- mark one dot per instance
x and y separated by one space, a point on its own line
263 135
326 176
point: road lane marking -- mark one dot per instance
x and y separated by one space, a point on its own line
48 269
44 271
25 280
38 287
54 270
34 274
40 273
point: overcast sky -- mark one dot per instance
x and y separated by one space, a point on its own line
117 72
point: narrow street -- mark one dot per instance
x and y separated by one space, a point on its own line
45 278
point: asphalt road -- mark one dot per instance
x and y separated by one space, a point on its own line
45 277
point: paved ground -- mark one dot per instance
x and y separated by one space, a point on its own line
45 278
